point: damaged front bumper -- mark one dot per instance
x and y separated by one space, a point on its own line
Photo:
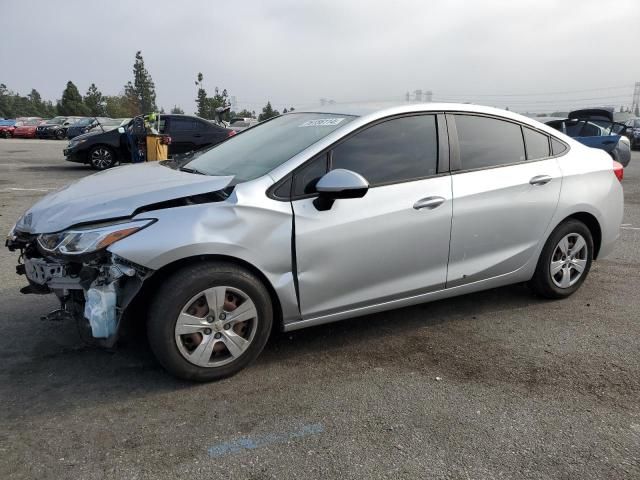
94 289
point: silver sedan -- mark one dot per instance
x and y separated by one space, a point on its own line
318 216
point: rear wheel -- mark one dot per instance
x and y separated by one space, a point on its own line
60 134
565 260
209 321
101 157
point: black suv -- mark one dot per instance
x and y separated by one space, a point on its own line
105 149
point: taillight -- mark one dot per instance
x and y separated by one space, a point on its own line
618 170
231 133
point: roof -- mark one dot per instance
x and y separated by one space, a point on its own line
380 110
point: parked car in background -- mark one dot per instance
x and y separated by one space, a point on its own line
105 149
633 132
318 216
595 128
7 127
84 125
238 124
27 128
56 127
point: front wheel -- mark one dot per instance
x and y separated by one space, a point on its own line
565 260
101 157
209 321
60 134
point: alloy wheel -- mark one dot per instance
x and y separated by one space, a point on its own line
101 158
216 326
569 260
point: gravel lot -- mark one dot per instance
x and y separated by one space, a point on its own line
493 385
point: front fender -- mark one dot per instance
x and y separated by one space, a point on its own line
258 233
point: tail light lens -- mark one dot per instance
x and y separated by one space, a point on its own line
618 170
231 133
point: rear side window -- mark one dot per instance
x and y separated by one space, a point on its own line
557 147
398 150
184 125
488 142
537 144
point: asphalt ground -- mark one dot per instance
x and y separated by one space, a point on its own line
497 384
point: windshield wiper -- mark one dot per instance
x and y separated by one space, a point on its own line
192 170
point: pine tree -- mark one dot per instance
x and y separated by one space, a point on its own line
206 106
176 110
142 92
94 101
268 112
71 102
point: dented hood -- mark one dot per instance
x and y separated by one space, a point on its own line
114 193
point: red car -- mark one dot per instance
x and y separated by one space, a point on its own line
6 131
27 129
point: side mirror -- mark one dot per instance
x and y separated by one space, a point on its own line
339 183
120 129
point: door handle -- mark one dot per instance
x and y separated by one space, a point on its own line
429 203
197 135
540 180
608 142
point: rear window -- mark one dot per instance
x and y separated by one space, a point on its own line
488 142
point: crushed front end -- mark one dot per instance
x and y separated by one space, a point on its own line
93 285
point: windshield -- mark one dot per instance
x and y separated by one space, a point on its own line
56 121
262 148
84 121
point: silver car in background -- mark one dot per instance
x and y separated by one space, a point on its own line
318 216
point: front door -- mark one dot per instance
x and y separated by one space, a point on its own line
390 244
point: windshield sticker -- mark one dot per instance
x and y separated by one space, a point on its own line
322 122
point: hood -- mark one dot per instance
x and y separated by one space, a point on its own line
603 113
114 193
87 135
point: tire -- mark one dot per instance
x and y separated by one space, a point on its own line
568 278
101 157
182 350
6 135
60 134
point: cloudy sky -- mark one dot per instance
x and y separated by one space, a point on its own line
536 55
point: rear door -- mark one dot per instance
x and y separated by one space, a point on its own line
185 133
506 187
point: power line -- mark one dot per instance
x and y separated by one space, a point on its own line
629 86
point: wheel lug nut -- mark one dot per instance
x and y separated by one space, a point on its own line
223 316
210 319
207 331
227 326
217 335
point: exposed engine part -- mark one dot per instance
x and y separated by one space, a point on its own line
93 290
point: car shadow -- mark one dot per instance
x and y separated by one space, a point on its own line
58 372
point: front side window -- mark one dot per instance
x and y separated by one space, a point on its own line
488 142
537 144
398 150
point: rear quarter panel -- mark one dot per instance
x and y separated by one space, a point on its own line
589 185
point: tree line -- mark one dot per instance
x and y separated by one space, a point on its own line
137 97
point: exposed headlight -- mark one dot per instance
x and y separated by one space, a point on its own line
78 241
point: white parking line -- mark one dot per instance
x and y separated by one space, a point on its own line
630 228
29 189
